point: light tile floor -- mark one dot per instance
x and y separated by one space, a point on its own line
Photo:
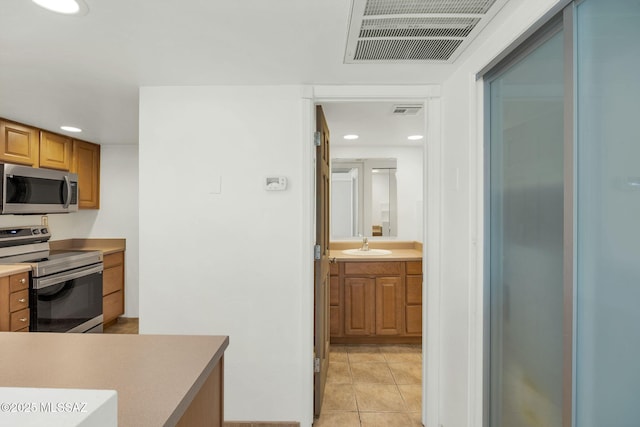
373 385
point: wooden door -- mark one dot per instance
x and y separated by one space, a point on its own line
359 306
389 306
322 270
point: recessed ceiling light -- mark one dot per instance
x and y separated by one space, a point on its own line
67 7
415 137
351 136
71 128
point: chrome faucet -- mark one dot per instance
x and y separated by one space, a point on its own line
365 244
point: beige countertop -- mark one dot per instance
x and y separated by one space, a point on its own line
107 246
400 250
9 269
156 376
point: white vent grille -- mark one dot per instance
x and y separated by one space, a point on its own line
417 27
406 31
406 110
398 7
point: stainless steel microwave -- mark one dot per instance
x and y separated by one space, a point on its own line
27 190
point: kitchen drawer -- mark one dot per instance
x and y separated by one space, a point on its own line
112 306
20 320
112 280
19 300
372 268
112 260
18 282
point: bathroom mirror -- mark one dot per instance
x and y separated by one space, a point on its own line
363 198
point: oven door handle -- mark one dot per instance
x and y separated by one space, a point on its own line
63 277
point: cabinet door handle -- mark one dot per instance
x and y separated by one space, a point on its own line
23 319
23 280
22 300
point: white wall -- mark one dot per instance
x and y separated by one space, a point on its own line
409 178
461 293
220 255
116 218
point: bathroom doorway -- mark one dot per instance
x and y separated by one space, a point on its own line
378 193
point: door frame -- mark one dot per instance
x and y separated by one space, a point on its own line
429 96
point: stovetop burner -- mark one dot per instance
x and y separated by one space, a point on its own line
31 245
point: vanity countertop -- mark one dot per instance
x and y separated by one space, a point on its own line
400 250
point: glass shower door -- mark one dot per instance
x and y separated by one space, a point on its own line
526 197
608 232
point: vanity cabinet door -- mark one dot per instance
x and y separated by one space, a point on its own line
359 306
335 317
414 305
413 298
389 306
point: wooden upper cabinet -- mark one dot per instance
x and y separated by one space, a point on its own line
19 144
86 163
55 151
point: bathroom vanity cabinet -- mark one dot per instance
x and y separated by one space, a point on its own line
376 302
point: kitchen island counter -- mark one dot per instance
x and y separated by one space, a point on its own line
161 380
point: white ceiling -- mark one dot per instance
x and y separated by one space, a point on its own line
85 71
373 122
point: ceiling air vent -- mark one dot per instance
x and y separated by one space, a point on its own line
406 110
409 31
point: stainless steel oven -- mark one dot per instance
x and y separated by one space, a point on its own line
70 301
65 290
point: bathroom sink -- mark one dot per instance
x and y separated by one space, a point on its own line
370 252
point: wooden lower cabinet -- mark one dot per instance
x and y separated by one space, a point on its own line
375 302
14 303
113 287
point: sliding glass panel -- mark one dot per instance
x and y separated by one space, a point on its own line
608 233
526 239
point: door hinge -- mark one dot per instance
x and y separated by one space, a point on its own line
316 365
317 252
317 139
